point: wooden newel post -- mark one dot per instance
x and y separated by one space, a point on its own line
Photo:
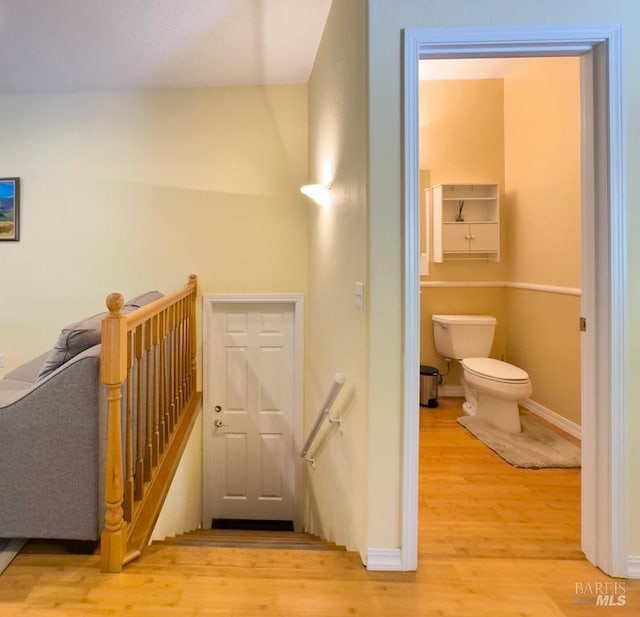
113 371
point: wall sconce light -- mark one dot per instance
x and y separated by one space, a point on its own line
320 193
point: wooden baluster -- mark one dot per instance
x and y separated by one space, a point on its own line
186 355
172 368
176 359
193 281
147 391
181 347
164 415
172 362
140 441
128 487
167 369
157 442
113 371
187 351
176 354
179 354
169 373
187 346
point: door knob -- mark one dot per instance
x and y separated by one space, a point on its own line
218 423
217 409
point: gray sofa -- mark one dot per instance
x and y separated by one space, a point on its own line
52 448
53 438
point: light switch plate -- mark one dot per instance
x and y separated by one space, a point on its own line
359 295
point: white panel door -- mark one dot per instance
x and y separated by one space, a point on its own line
249 455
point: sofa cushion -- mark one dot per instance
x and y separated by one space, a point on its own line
73 339
141 300
79 336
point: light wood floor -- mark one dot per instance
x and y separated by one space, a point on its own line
494 541
473 504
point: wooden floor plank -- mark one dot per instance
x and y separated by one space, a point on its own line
494 541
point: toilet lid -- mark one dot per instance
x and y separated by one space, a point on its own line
495 370
466 320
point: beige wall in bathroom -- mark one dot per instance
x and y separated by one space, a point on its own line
522 133
483 301
553 359
461 141
542 184
542 171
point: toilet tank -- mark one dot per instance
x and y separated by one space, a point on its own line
463 336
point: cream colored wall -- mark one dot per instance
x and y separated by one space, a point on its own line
336 332
462 141
127 192
386 22
182 509
542 175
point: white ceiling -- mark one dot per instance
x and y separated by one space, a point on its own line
84 45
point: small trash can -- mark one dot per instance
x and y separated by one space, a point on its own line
429 376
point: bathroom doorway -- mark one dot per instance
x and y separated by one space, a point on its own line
603 284
514 124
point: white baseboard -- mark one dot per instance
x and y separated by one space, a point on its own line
552 417
633 566
384 559
450 391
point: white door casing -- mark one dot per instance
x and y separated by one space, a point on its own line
252 392
604 476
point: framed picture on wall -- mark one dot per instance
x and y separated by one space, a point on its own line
9 209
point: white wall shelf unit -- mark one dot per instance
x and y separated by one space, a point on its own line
466 222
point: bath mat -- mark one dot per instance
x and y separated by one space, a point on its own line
536 447
8 550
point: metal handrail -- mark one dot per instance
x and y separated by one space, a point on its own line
336 385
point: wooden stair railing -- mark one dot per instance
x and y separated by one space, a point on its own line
150 356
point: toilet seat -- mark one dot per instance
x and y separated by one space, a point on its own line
495 370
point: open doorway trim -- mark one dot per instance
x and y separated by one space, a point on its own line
604 501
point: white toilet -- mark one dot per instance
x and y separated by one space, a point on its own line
492 388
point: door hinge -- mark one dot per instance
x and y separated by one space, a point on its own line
583 324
